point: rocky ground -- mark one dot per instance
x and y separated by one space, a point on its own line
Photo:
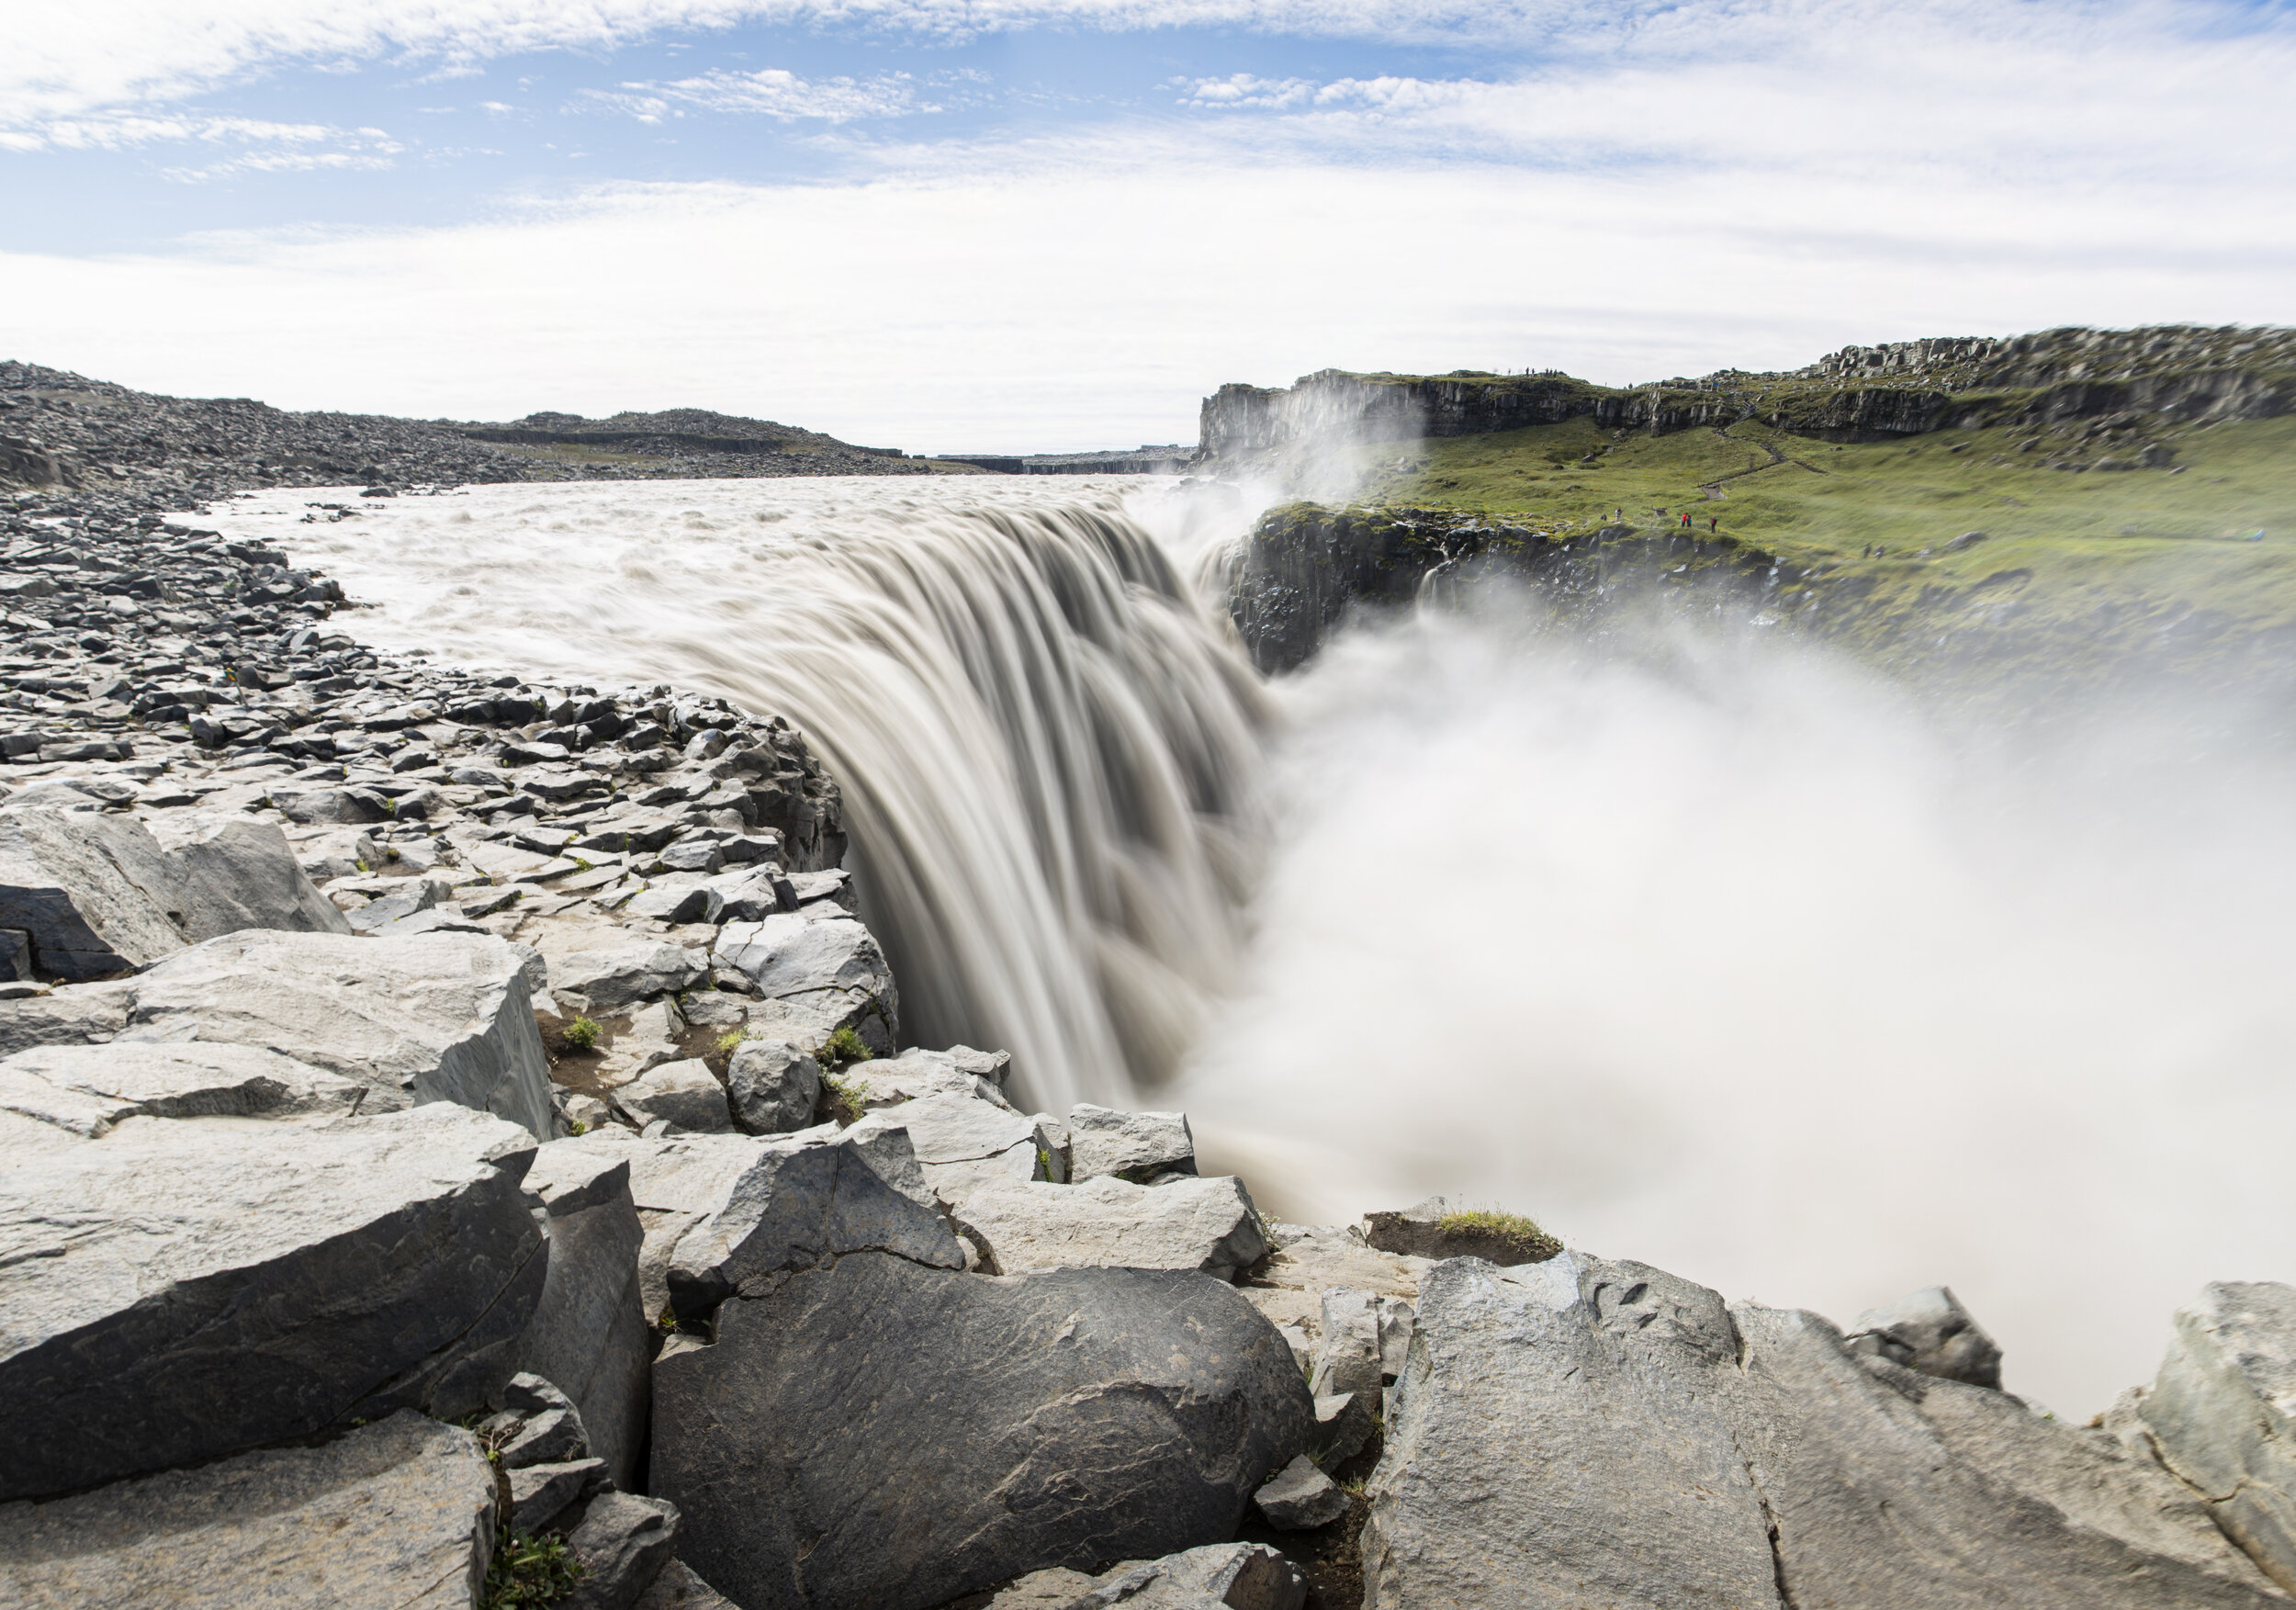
459 1147
92 446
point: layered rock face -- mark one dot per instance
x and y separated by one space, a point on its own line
2187 374
1293 581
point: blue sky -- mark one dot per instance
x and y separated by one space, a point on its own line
1058 223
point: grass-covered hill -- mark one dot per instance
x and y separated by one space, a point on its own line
2027 518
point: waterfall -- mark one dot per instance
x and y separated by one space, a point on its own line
1050 751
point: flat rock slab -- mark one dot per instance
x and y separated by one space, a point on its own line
88 1089
620 976
441 1017
99 894
184 1290
1203 1224
965 1142
1579 1432
1105 1139
399 1513
880 1435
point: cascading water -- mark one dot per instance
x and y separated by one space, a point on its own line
1049 748
1704 949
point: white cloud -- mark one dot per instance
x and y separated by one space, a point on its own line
64 62
772 92
1756 187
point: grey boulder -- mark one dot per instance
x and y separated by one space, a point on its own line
1102 1140
1761 1462
398 1514
720 1211
685 1095
539 1493
1300 1497
441 1017
827 974
772 1085
958 1071
623 976
623 1541
98 894
181 1290
1203 1224
2221 1414
964 1142
877 1434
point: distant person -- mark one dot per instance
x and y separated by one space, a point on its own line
1713 525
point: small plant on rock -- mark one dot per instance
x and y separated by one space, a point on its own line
529 1571
582 1035
843 1098
843 1046
728 1040
1522 1234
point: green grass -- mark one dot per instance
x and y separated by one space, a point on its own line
2098 555
844 1099
529 1571
1514 1229
582 1035
843 1046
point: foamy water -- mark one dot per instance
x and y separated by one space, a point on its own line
1719 956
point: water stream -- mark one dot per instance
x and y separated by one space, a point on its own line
1711 952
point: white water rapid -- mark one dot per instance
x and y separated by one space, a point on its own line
1049 750
1714 954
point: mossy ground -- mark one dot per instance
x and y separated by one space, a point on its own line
2102 554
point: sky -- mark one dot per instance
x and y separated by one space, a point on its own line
1050 225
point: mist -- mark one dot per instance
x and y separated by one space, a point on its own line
1722 954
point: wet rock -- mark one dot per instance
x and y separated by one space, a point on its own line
878 1434
1134 1144
180 1291
399 1513
1203 1224
2219 1415
432 1017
